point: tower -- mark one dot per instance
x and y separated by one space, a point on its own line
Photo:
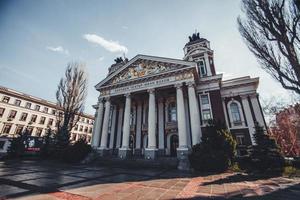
198 50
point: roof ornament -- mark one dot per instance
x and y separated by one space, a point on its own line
119 60
194 37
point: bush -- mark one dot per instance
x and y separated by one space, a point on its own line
265 155
48 148
290 171
17 145
216 151
76 152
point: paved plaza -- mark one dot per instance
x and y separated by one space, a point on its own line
34 180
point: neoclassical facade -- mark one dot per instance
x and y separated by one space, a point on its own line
153 106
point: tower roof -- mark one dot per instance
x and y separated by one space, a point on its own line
195 38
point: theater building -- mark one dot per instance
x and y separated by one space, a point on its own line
155 106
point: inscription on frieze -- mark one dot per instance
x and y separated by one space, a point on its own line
150 84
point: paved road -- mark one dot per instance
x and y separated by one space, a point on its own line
34 180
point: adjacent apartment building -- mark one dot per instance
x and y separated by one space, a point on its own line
19 111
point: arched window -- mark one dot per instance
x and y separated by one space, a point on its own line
172 115
202 67
235 113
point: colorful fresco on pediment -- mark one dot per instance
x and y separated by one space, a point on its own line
140 70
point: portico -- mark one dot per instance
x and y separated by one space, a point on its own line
148 110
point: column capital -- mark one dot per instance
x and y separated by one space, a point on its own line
127 95
100 99
151 90
107 98
178 85
254 95
244 96
191 83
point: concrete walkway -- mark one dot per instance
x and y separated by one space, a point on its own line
34 180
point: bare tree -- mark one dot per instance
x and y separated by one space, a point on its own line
272 32
70 96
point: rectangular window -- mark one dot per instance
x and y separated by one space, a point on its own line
43 119
38 132
204 99
86 129
53 112
19 129
28 105
18 102
206 115
45 110
6 128
2 111
37 107
240 139
33 118
5 99
202 68
12 114
23 117
29 129
76 128
81 128
91 130
50 122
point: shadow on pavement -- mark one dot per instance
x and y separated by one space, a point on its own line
24 178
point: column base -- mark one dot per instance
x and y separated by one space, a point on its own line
103 151
183 158
124 153
137 152
150 154
161 152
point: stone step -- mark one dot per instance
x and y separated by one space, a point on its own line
138 162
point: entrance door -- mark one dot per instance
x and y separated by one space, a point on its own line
174 145
132 143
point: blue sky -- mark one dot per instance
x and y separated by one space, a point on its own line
39 38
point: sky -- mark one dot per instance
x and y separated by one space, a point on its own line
39 38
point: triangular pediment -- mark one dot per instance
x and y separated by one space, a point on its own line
143 66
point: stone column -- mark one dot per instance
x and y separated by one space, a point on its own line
249 118
225 113
161 129
113 129
257 110
104 136
182 150
150 152
137 150
119 128
194 115
98 124
124 152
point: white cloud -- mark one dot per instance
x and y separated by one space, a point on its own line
124 27
101 58
112 46
58 49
